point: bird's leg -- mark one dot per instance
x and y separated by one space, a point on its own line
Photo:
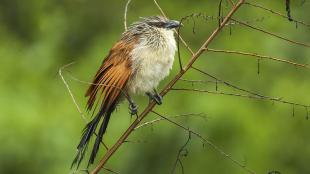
132 106
155 96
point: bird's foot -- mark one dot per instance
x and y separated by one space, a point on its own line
156 97
133 108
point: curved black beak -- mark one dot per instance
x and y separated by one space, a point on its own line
172 24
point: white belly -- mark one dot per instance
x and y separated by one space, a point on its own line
151 65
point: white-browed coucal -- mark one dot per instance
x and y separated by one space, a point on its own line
135 65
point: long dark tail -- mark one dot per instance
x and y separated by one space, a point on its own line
89 131
107 89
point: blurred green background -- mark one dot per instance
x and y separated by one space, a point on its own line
40 126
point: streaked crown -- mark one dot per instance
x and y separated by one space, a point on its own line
146 23
154 30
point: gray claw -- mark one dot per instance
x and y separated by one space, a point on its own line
156 97
133 109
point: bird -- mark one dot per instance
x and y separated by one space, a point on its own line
135 65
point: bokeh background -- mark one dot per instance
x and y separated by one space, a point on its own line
40 126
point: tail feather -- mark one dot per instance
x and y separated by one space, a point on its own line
102 130
105 91
88 131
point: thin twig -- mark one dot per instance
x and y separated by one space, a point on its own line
87 171
69 90
183 41
178 47
307 112
260 56
288 9
100 84
270 33
280 100
81 170
166 89
73 98
229 84
201 115
110 170
219 13
125 14
205 140
198 81
231 2
135 141
276 13
182 149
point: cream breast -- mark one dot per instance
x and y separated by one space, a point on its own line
152 61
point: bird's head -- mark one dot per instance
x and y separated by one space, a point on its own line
161 22
154 30
147 24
